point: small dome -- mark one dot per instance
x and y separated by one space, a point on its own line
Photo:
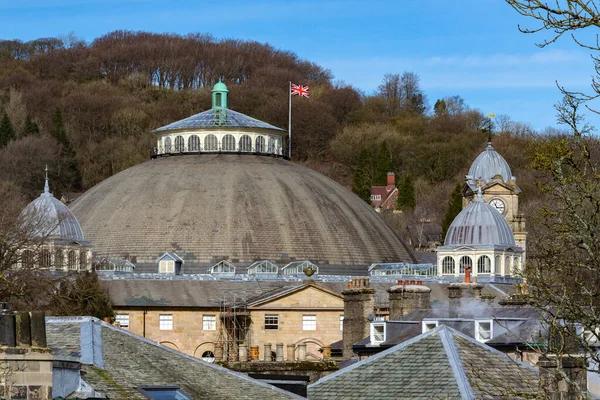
49 218
488 165
220 87
208 119
479 224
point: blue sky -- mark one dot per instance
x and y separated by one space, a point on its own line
470 48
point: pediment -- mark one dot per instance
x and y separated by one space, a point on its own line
306 296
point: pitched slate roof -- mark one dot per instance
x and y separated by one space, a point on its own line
127 292
130 361
442 363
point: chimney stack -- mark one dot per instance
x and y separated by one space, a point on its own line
460 293
391 181
359 302
405 298
569 383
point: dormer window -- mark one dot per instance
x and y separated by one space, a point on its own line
223 267
377 333
429 326
483 330
170 263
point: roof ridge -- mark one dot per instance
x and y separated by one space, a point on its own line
177 352
464 386
382 354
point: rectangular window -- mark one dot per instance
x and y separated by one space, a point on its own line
167 267
123 320
341 322
209 322
165 322
271 321
429 325
377 333
309 322
483 330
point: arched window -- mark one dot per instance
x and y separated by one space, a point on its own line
245 144
45 258
211 143
208 356
497 265
228 143
507 266
484 265
27 259
58 259
179 144
194 143
167 144
271 146
83 261
72 260
465 261
448 266
516 265
260 144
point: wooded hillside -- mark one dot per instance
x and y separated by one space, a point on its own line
87 110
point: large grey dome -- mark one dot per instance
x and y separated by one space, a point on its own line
237 207
479 224
488 165
47 217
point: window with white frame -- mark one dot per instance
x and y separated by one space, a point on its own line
429 325
166 266
165 322
448 265
271 321
341 322
375 197
209 322
465 261
309 322
483 330
377 332
122 320
484 265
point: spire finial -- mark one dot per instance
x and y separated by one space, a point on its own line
46 185
479 194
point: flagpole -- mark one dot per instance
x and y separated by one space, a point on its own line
290 123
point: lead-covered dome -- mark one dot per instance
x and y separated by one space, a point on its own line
240 208
48 218
479 224
488 165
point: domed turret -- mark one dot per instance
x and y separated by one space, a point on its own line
479 224
487 166
48 218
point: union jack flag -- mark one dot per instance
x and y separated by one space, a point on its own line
299 90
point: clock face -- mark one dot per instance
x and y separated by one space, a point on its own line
498 205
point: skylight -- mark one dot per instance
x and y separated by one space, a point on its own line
163 392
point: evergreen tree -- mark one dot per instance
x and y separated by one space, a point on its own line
406 194
384 165
59 132
31 126
361 184
440 107
454 207
7 132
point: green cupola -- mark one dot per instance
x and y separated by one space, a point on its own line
219 95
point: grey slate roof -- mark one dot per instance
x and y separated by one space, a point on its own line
441 363
131 361
206 119
208 293
241 209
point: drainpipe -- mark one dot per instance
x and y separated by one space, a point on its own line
144 321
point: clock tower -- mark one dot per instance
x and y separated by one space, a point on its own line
499 188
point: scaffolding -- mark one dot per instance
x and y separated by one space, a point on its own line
234 328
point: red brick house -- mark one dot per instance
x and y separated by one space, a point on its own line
384 197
